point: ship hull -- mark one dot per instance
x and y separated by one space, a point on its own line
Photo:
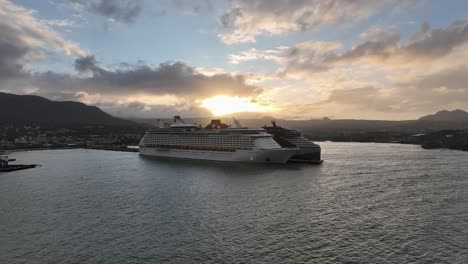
252 156
308 154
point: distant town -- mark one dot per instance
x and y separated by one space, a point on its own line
84 136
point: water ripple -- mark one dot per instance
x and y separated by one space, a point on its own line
369 203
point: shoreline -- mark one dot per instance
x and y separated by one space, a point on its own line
127 149
109 148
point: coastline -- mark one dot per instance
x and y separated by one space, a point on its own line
424 145
110 148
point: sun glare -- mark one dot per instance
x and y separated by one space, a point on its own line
222 105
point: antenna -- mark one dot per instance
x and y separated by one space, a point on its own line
237 124
159 123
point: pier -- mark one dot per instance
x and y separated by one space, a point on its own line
9 168
6 167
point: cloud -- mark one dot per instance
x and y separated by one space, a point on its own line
175 78
153 106
247 19
383 76
123 11
444 89
58 22
433 43
379 46
24 38
254 54
143 91
11 49
425 45
171 85
85 64
126 11
308 56
370 98
138 109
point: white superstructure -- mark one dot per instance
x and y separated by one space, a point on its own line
215 142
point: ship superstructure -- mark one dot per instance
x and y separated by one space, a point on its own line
308 151
216 141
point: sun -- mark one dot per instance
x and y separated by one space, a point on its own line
222 105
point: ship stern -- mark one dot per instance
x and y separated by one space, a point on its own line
280 155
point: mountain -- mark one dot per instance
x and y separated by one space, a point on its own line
451 116
20 109
342 129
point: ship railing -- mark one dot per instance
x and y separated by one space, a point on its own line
189 147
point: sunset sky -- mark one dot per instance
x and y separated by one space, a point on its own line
365 59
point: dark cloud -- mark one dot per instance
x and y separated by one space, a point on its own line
176 78
426 44
308 57
123 11
171 78
12 48
139 106
228 19
126 11
381 46
85 64
136 109
433 43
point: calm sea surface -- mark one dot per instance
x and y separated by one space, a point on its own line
368 203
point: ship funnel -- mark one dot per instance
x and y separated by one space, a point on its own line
177 118
216 124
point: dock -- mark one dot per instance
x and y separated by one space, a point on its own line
10 168
6 167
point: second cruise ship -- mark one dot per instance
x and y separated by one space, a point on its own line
216 141
308 151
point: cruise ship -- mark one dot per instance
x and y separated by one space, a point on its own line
216 141
307 152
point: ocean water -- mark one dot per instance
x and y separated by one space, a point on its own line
368 203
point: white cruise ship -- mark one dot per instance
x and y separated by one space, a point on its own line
216 141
